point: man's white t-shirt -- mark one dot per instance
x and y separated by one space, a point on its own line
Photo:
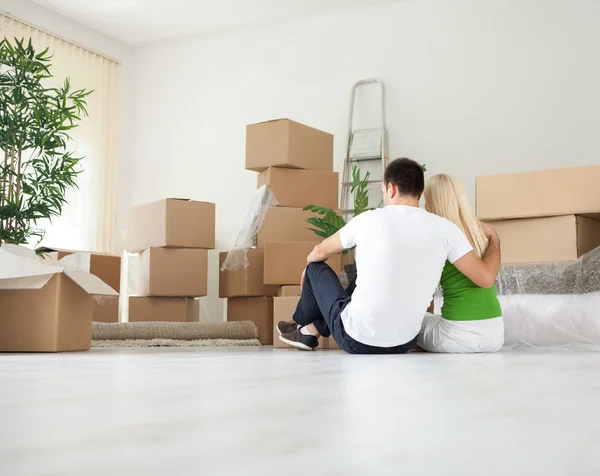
400 253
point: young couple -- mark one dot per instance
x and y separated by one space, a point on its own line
402 254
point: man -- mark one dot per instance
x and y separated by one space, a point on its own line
400 251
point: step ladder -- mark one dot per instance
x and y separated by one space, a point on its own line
364 145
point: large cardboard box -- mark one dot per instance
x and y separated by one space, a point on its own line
106 267
105 308
172 222
54 317
173 272
299 188
169 309
257 309
572 191
287 291
561 238
285 143
285 224
285 261
245 282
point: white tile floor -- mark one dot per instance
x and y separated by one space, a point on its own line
249 411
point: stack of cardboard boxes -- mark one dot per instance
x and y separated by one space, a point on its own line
172 237
296 162
549 215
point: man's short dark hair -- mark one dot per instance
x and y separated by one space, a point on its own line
407 175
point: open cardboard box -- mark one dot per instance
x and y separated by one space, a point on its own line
106 267
43 307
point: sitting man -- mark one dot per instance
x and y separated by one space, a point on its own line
400 251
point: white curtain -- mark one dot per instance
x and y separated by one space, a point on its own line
88 221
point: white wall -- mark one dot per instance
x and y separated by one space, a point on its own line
474 87
47 19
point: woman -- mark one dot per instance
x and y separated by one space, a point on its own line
471 319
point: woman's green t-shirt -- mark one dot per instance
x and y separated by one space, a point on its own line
464 300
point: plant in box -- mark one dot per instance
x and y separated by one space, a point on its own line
329 222
36 168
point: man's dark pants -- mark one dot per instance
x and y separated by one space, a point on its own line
322 301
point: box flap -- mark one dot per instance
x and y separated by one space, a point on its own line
21 268
22 264
51 249
80 261
90 283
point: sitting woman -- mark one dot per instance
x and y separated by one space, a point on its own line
471 319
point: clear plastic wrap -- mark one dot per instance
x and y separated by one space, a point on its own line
260 204
552 304
573 277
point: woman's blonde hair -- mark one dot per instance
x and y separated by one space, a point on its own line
446 197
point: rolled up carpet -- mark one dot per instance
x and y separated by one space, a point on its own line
181 331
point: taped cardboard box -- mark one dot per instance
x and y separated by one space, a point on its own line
107 267
285 143
246 282
45 308
172 222
283 310
572 191
287 291
105 308
299 188
256 309
167 309
285 261
172 272
285 224
561 238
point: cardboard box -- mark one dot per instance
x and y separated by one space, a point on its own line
299 188
285 224
285 143
287 291
561 238
45 308
246 282
283 310
170 309
572 191
105 308
173 272
285 261
172 222
106 267
257 309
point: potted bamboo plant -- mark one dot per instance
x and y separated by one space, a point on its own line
36 166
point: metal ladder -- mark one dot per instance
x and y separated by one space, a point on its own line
364 145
